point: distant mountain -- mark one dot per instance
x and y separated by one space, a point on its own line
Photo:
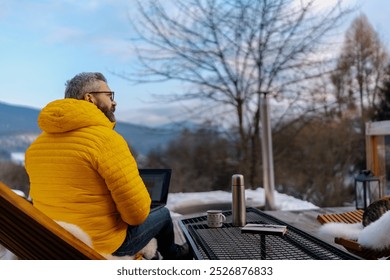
18 128
143 139
18 119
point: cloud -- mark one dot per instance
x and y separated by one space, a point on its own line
94 5
151 116
99 27
64 34
321 5
115 46
85 5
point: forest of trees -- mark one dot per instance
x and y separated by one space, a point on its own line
227 53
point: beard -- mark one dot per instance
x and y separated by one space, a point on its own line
108 112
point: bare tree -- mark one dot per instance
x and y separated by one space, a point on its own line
361 69
231 51
321 158
383 110
202 160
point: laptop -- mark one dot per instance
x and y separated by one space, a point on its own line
157 182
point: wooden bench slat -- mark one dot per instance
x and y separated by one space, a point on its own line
347 217
30 234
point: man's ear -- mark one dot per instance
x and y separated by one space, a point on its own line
88 97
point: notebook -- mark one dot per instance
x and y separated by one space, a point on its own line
157 182
265 229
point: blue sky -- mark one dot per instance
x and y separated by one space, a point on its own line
43 43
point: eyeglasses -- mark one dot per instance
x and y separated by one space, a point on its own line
109 94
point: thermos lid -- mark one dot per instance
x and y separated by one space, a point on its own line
237 180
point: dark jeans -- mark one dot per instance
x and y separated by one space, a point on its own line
158 225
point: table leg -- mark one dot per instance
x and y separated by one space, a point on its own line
262 247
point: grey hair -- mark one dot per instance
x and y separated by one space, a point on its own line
82 83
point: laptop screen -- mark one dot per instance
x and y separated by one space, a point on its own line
157 182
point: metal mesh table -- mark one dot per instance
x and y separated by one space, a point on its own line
228 242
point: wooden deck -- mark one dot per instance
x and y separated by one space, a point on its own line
305 220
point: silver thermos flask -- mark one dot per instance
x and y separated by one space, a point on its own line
238 200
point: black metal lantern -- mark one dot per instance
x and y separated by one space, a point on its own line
367 189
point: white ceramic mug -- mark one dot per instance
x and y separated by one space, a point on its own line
215 218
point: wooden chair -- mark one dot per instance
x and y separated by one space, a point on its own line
352 245
30 234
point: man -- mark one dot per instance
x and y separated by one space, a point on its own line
83 173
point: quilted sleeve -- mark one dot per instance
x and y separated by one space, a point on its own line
119 169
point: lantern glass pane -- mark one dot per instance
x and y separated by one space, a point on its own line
373 192
360 197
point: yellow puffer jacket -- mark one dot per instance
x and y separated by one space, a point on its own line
82 172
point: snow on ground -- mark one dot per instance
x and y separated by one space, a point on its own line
194 202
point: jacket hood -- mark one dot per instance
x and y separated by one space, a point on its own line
69 114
